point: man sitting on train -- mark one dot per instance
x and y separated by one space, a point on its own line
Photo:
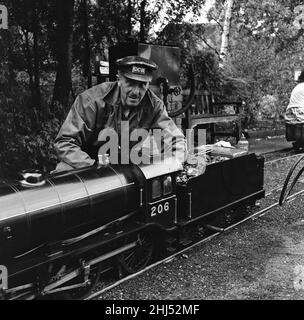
105 107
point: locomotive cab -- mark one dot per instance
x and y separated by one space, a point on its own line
160 197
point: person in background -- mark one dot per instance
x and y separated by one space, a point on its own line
105 106
295 109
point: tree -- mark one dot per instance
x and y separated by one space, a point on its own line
28 16
35 27
226 32
87 49
64 54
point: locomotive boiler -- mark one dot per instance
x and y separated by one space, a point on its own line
38 210
71 215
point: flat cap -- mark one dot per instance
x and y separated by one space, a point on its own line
136 68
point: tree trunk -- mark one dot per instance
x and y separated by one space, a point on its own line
27 50
129 19
87 50
226 32
142 30
64 51
37 95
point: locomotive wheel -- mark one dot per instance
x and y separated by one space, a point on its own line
139 257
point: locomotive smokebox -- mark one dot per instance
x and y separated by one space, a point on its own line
166 82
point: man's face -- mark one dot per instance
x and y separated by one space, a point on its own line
131 91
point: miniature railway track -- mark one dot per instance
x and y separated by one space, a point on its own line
270 162
283 158
253 216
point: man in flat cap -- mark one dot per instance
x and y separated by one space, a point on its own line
106 106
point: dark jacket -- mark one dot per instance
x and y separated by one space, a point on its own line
99 108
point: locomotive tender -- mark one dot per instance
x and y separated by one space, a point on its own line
59 233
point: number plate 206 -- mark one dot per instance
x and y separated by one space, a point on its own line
163 207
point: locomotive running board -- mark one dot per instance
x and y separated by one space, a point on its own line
95 231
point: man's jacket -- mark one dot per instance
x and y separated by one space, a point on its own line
97 110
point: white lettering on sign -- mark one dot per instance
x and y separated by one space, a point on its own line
138 70
3 17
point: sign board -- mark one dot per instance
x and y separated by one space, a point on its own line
297 74
104 68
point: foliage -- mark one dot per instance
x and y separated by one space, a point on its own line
26 133
265 50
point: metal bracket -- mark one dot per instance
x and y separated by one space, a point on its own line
141 197
214 228
7 232
190 205
86 271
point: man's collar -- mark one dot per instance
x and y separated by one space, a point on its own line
112 97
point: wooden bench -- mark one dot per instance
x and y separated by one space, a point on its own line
205 110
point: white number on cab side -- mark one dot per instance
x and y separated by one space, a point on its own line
160 208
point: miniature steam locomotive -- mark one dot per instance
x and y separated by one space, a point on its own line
59 233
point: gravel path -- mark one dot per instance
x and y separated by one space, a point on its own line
260 259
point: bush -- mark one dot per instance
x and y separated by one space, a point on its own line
268 107
26 133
